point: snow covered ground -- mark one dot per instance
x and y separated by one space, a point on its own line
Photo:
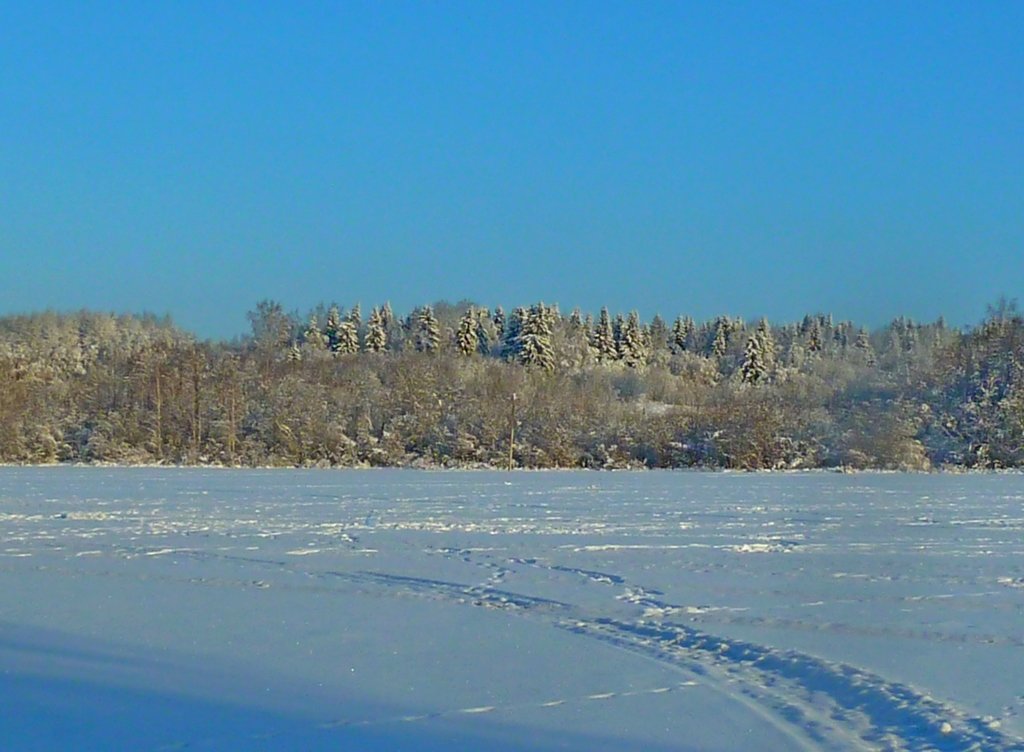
162 609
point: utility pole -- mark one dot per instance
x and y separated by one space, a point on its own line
159 432
512 432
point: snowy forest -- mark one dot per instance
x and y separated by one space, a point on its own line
459 385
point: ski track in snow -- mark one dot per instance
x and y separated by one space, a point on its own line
858 705
819 703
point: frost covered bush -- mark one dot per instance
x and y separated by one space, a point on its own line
459 384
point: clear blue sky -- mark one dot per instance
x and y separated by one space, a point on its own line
191 158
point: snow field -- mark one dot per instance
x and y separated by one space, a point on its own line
208 609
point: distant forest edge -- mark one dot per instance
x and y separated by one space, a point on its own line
456 385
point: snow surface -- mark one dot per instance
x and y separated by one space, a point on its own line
162 609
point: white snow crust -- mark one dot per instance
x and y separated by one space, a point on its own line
161 609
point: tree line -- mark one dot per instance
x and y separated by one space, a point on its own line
458 385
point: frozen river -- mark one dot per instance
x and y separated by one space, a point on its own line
161 609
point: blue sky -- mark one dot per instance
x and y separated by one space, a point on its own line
191 158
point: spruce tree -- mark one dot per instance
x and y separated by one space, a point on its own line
535 348
483 332
759 355
720 343
910 337
313 337
511 340
764 333
466 337
752 371
428 330
617 324
659 334
805 325
604 338
376 332
684 335
841 337
631 343
894 346
332 328
814 338
348 338
827 326
355 318
499 323
689 333
863 346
